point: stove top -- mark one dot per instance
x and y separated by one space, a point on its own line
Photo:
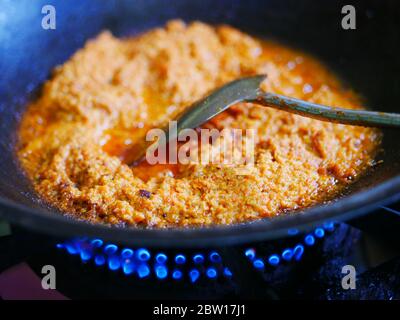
335 261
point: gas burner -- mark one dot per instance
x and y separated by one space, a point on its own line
183 264
298 266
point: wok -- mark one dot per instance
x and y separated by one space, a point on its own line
366 58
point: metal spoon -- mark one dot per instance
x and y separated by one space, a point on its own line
248 90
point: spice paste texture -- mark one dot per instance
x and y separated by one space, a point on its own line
76 139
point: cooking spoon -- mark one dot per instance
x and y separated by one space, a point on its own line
248 90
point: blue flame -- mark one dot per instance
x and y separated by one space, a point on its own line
71 249
161 258
110 249
99 260
86 255
97 243
161 271
258 264
194 275
287 254
198 258
177 274
319 232
180 259
250 253
143 254
211 273
298 252
128 266
138 260
143 271
329 226
114 263
309 240
292 232
127 253
274 260
215 257
227 272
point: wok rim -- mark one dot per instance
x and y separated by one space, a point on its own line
343 209
351 206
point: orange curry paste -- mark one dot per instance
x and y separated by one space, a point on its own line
76 139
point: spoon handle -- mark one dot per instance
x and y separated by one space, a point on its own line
325 113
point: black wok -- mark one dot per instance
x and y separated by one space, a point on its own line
366 58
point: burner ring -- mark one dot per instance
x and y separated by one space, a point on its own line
143 263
